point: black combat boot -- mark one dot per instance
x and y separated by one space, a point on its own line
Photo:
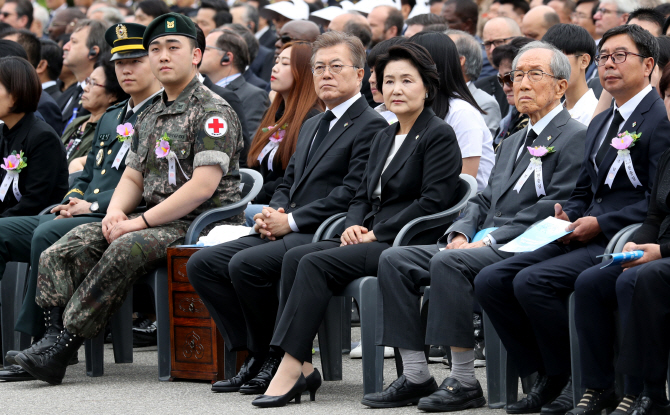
53 321
50 365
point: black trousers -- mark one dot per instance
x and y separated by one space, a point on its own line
310 275
237 281
525 297
450 273
646 340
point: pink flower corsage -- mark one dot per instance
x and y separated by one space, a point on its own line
625 140
278 135
163 146
540 151
124 131
15 162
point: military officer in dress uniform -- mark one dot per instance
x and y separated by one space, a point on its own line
183 161
23 239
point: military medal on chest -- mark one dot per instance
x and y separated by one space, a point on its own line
99 157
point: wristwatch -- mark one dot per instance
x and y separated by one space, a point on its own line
94 207
486 240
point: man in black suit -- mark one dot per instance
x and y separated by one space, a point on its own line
225 58
262 59
506 208
49 67
237 280
86 44
526 296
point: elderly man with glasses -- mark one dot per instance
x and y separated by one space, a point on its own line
612 13
526 296
504 209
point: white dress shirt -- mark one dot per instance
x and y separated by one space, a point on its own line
338 112
134 107
388 115
399 139
224 82
626 110
48 84
584 108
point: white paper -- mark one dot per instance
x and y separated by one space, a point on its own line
224 233
538 236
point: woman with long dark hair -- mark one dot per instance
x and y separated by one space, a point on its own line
455 104
277 135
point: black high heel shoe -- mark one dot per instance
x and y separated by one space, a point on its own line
296 391
313 383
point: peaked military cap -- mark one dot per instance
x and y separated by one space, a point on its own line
125 40
167 25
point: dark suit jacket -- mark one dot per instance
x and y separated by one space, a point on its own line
263 63
254 80
66 110
596 86
491 86
54 91
254 101
44 181
422 178
499 205
269 38
326 186
48 110
622 205
236 104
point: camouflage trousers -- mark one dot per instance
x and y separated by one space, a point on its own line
91 278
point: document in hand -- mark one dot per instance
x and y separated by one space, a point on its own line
622 257
538 235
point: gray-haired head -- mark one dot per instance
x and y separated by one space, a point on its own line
468 47
623 6
559 64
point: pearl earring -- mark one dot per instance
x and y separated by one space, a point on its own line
426 95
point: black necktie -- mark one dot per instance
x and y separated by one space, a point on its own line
611 133
530 137
324 128
129 113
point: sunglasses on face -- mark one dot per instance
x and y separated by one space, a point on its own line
506 80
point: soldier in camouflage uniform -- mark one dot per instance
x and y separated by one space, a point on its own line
183 161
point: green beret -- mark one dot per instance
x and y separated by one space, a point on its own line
125 40
169 24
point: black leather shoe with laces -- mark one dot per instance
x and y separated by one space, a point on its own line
453 396
400 393
645 405
51 364
259 384
625 406
15 373
53 321
562 404
594 401
248 371
545 390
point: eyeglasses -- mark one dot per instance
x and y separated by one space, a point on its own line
505 80
92 83
579 15
604 11
496 42
617 57
334 69
285 38
535 75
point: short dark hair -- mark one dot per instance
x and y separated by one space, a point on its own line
518 5
394 19
53 55
419 57
437 27
200 41
410 3
231 42
579 2
424 19
23 8
664 83
250 12
382 48
153 8
648 15
645 42
217 5
96 34
663 51
571 39
509 51
20 80
664 9
466 10
111 82
30 43
249 39
361 31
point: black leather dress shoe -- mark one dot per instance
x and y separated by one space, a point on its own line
400 393
15 373
259 384
644 405
594 401
562 404
453 396
248 371
545 390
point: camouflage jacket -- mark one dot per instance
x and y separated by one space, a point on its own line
203 130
